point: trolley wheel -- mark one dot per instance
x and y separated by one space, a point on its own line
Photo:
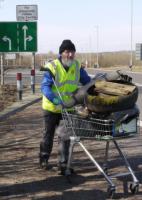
111 191
68 177
134 188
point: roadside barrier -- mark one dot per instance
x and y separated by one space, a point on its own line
19 86
33 80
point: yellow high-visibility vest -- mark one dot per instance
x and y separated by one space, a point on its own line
66 82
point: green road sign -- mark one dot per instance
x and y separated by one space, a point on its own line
18 36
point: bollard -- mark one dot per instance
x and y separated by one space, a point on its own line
19 86
33 80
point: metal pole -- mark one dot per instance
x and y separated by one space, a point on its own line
2 70
33 73
19 86
97 36
33 80
97 46
82 59
90 51
131 53
33 61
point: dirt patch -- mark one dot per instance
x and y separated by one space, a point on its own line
8 95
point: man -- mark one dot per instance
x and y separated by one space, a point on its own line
66 72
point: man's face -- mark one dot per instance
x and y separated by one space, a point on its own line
67 57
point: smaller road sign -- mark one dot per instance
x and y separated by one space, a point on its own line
26 12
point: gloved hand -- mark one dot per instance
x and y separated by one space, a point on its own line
57 101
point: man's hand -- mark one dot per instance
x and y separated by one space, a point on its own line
57 101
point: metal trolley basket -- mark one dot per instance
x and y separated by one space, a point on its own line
102 129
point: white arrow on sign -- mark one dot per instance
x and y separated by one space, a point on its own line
26 38
6 39
29 38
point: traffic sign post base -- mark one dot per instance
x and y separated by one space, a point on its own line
33 88
19 95
19 86
33 80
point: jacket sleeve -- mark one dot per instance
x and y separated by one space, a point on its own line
84 77
46 86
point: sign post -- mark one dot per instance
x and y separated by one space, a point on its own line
2 69
19 86
33 80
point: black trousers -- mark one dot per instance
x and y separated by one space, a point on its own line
51 122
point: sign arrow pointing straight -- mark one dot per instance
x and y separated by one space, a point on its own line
26 38
25 28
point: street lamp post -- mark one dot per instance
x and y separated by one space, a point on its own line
131 53
90 47
97 36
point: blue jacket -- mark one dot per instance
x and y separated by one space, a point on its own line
47 83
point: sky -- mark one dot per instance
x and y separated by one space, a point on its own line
92 25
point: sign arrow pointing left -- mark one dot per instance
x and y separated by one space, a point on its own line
6 39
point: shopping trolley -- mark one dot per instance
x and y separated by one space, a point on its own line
116 126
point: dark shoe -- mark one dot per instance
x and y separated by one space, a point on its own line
43 160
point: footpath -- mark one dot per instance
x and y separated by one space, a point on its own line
21 178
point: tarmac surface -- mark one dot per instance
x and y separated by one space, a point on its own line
21 178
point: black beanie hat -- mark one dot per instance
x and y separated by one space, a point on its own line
66 45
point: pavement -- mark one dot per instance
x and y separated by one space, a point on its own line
28 98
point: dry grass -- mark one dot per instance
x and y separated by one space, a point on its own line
126 68
8 95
